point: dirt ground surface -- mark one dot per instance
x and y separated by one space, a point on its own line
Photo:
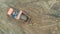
44 14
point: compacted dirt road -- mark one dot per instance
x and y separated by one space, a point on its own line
44 14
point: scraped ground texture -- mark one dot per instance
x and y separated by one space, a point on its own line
44 14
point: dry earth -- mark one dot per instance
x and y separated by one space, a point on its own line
44 14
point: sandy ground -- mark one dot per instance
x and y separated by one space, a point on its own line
44 14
